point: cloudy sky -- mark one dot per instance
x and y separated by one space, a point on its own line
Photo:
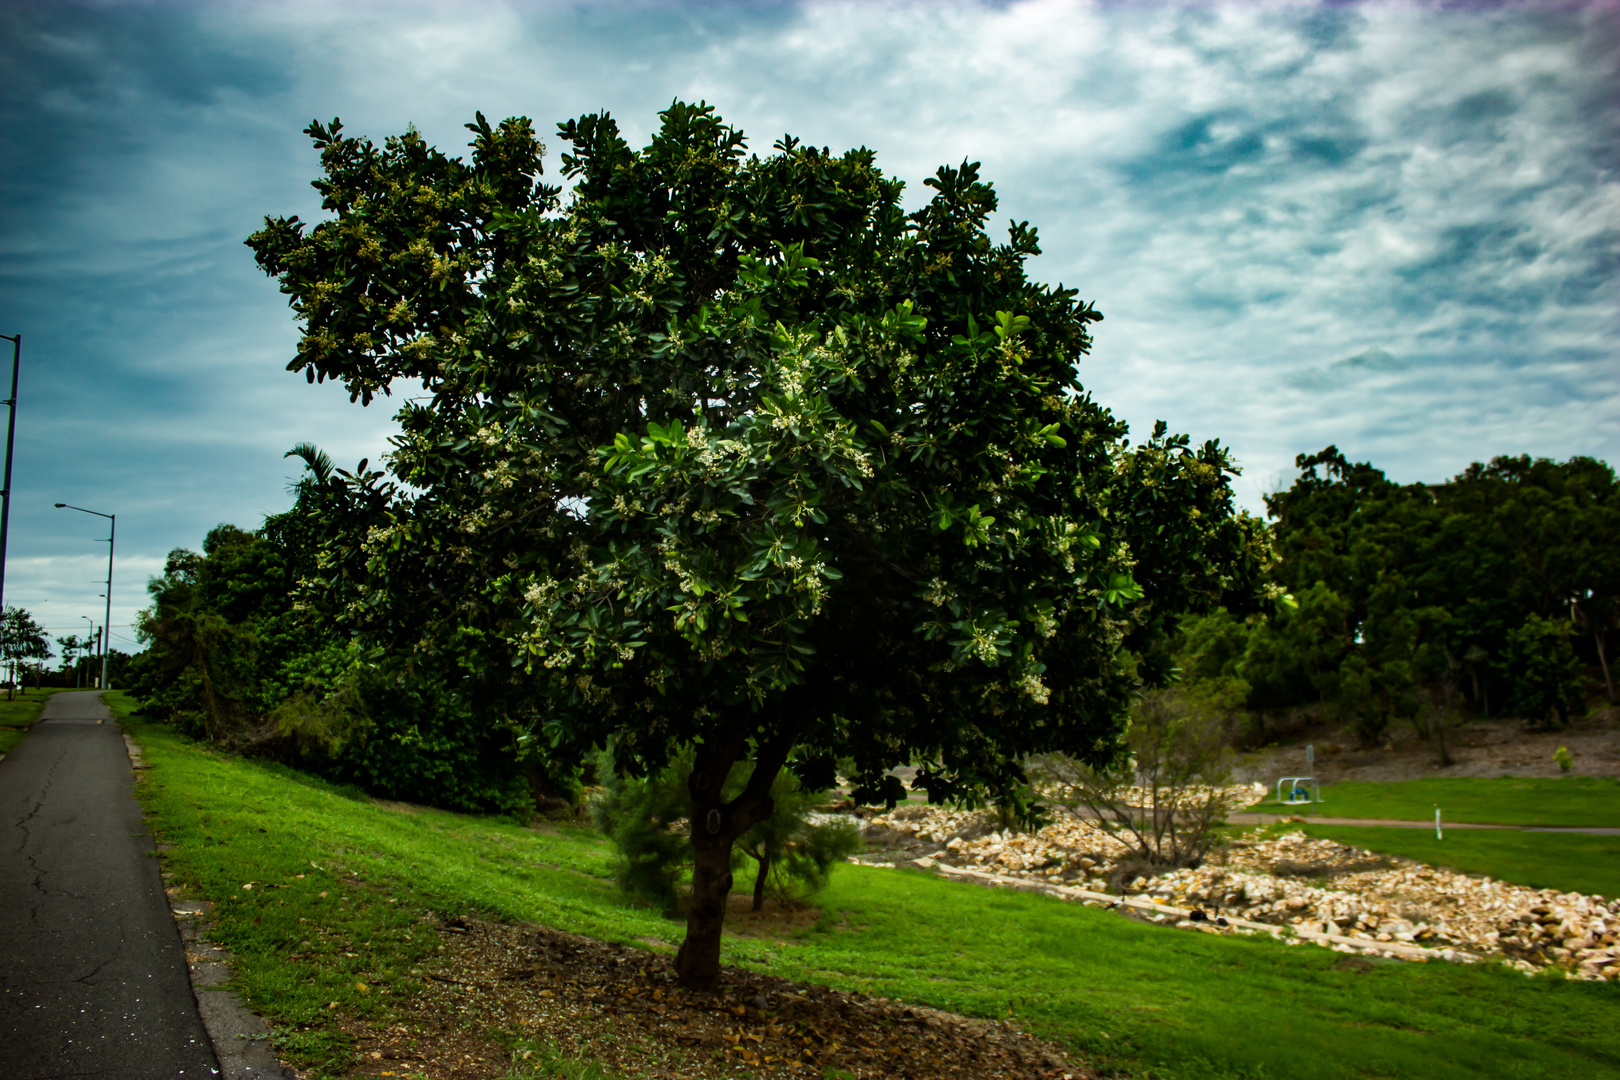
1393 227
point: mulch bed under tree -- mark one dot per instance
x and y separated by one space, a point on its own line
619 1007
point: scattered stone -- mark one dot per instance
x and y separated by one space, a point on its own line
1373 902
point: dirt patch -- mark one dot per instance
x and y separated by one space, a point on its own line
774 920
1480 748
620 1007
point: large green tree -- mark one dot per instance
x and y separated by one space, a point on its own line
219 626
1553 546
734 453
21 640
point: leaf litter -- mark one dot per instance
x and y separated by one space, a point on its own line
619 1007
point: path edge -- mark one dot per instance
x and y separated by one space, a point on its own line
240 1036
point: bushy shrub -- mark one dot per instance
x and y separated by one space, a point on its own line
791 853
642 815
794 850
399 738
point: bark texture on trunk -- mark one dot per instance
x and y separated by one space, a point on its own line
697 965
716 825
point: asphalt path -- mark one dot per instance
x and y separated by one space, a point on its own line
1393 823
93 979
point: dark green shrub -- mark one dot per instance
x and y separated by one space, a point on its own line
399 738
790 854
794 850
642 816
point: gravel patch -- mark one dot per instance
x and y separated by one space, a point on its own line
1363 901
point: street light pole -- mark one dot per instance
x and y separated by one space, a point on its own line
112 534
11 438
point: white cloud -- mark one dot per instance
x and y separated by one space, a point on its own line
1252 194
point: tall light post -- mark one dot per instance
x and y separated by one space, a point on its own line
112 533
11 437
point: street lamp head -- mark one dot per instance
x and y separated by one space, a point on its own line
60 505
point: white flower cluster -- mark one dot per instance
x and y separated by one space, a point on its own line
540 592
1036 690
377 537
501 475
938 593
984 646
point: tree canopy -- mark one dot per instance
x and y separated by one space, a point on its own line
734 452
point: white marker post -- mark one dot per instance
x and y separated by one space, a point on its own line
1310 767
1437 833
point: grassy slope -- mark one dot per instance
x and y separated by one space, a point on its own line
1568 862
18 713
1153 1001
1508 800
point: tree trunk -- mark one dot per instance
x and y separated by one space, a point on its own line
1608 683
759 882
697 965
716 824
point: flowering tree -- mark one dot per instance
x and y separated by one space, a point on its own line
734 453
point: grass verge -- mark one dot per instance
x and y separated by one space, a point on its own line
344 889
1592 801
17 713
1568 862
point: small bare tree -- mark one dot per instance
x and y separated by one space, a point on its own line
1165 792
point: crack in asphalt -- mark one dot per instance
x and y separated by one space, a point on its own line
37 880
115 954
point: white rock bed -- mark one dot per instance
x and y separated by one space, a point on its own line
1325 886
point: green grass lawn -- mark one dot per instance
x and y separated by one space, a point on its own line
16 714
332 870
1568 862
1508 800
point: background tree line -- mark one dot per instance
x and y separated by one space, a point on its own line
25 648
1492 594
